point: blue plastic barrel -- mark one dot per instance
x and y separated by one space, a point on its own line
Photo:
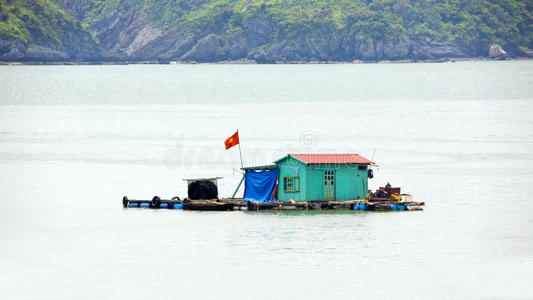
362 206
133 204
401 207
393 207
164 205
178 206
144 205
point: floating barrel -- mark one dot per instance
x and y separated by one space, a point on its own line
178 206
393 207
401 207
362 206
156 202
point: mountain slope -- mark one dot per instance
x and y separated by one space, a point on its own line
39 30
290 30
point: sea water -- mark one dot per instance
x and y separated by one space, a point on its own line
75 139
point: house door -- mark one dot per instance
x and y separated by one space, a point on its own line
329 185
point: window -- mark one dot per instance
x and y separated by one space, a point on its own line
329 177
291 184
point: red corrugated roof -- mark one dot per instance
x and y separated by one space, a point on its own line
349 158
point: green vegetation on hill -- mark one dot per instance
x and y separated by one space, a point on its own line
305 27
37 21
467 22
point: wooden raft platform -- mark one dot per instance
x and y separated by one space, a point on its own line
226 204
351 204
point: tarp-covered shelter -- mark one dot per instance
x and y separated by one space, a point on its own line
260 183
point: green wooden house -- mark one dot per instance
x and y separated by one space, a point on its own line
322 177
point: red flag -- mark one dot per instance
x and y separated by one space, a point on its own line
232 140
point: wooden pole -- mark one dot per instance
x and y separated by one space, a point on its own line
242 166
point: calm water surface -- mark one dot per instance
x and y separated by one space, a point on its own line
75 139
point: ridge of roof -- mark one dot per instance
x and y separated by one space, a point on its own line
343 158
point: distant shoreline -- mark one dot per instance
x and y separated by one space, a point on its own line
252 62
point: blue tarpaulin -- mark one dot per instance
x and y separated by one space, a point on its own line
259 186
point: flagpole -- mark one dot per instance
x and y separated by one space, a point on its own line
240 152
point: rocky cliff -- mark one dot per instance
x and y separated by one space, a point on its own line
133 37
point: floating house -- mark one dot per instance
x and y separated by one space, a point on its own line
309 177
295 181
